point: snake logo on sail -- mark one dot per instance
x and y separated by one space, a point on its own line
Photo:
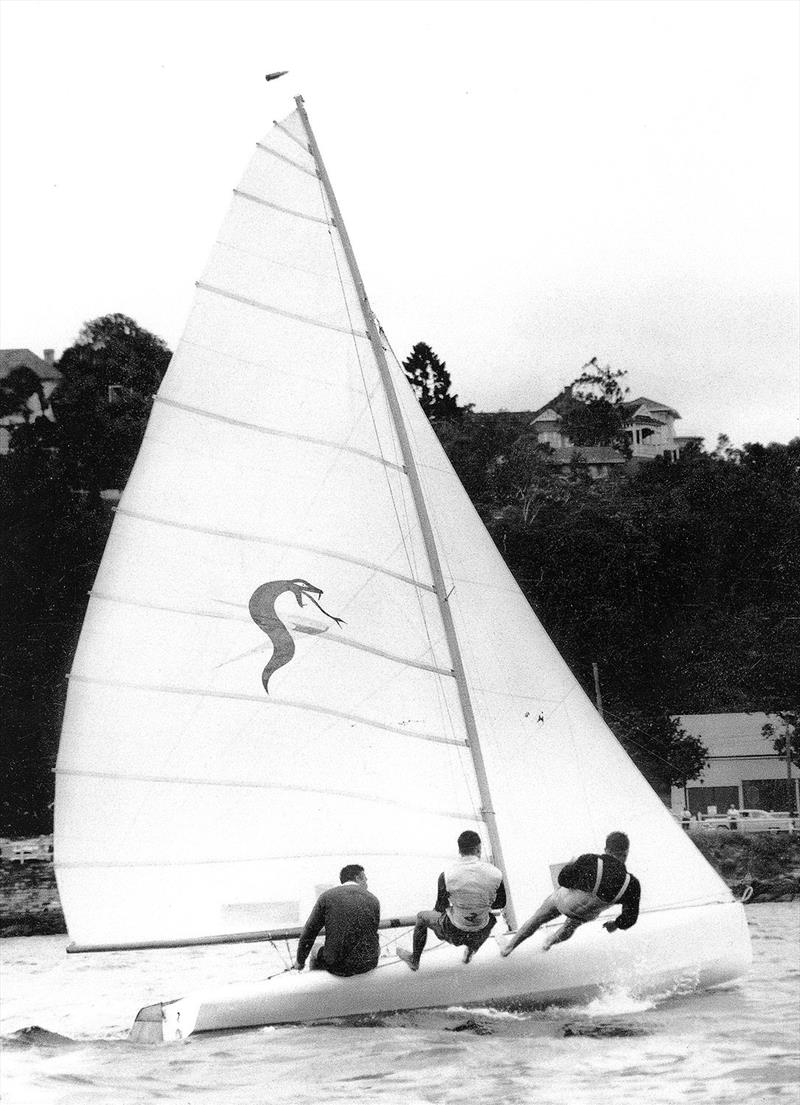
262 611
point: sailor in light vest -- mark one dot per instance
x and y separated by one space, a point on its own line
468 891
587 887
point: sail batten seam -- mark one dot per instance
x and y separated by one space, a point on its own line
270 431
288 160
248 784
264 366
258 539
294 704
337 637
279 311
61 865
283 210
294 138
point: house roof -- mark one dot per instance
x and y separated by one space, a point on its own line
19 358
548 415
552 407
649 406
644 420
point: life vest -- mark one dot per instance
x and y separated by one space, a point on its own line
472 886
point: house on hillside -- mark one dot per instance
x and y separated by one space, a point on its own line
26 384
744 770
649 427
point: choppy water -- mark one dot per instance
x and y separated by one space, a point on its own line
736 1044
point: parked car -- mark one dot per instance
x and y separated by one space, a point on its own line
751 821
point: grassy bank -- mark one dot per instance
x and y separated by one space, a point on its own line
29 903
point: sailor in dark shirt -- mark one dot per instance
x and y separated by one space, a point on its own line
350 916
587 887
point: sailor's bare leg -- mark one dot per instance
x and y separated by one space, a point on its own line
426 918
546 912
562 934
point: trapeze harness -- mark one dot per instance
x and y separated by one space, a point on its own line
585 905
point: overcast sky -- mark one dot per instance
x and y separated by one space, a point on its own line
527 184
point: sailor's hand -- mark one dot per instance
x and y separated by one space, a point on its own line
610 926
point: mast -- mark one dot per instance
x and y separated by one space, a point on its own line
473 739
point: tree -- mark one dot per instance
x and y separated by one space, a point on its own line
16 389
788 740
665 753
791 732
430 380
50 546
592 408
101 407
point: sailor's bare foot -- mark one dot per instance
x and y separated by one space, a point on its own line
408 958
507 949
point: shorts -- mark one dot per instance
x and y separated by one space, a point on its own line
580 905
447 931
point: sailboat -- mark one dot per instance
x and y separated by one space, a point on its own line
303 650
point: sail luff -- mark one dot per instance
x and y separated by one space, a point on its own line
487 806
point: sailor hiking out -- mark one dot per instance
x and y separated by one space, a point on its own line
587 886
468 893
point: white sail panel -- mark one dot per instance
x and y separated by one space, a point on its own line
262 484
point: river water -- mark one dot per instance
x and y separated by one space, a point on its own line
736 1044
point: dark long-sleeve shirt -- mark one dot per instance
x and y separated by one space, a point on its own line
350 916
581 874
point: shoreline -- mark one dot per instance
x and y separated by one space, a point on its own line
770 865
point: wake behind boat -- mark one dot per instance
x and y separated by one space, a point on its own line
303 650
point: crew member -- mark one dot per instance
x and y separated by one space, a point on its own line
467 892
350 916
587 887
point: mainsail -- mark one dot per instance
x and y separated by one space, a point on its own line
275 676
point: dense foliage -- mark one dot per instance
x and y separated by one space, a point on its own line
53 528
111 374
680 581
787 730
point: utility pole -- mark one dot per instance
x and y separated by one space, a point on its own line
789 780
597 696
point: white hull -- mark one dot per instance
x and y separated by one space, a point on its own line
681 949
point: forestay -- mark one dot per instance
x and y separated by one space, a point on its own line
194 801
